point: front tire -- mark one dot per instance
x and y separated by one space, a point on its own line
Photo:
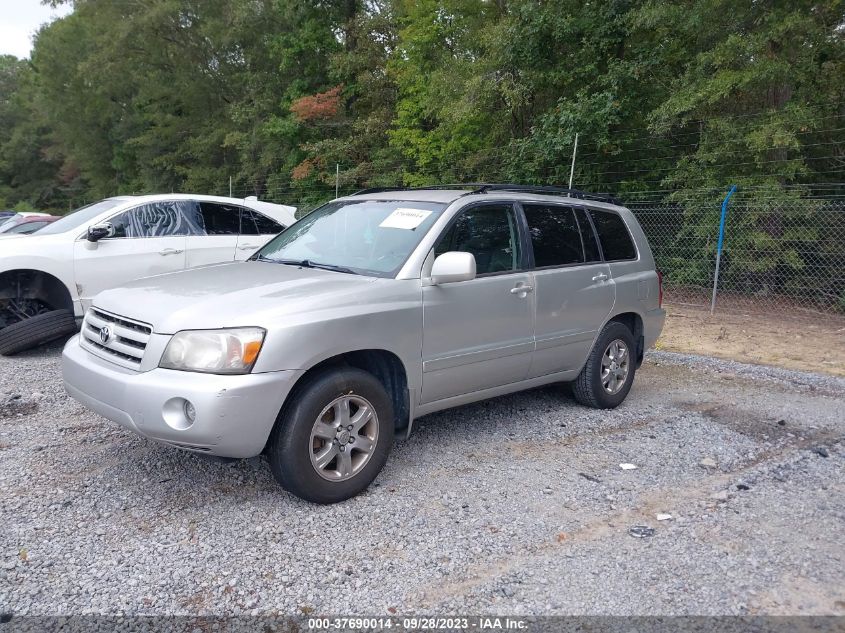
606 378
332 440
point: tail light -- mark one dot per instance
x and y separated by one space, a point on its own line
659 289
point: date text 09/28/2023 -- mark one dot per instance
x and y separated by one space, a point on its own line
419 623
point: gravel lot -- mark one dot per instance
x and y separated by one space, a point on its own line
512 506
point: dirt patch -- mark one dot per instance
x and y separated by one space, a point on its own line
16 406
809 342
741 421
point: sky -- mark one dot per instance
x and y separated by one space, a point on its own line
19 20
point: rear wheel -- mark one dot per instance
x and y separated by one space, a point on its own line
606 378
36 330
333 439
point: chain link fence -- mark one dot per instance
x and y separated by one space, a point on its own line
783 252
784 248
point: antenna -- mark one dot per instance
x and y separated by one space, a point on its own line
572 168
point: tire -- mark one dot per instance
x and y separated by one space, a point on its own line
297 443
36 331
589 388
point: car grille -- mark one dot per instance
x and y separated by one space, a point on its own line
126 342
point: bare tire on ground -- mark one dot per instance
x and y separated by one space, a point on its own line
36 331
334 437
606 378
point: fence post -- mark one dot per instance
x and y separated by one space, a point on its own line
719 246
336 179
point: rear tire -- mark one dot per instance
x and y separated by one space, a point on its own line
312 452
600 384
36 331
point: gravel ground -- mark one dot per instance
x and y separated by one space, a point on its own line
512 506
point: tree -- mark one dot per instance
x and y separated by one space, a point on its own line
32 170
274 94
758 90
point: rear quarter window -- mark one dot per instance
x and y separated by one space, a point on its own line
616 242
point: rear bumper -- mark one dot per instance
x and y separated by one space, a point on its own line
652 326
234 414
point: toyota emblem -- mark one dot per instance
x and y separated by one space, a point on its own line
105 334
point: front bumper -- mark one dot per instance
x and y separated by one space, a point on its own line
234 414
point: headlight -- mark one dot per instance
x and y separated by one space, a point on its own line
214 351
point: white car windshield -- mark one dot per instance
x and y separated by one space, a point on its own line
75 219
368 237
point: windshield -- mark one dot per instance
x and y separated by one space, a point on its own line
75 219
370 237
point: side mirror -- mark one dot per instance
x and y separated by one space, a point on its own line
453 266
99 231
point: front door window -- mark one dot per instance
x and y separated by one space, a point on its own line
159 219
490 233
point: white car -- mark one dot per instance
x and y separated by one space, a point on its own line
48 279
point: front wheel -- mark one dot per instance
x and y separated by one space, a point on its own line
606 378
333 439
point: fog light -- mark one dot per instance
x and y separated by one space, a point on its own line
179 414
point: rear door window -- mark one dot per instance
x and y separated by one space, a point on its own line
555 235
616 242
254 223
220 219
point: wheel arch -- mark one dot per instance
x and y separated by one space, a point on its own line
634 322
384 365
36 284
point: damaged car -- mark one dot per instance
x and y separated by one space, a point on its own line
370 312
48 279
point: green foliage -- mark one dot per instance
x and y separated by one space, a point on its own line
30 161
685 97
24 206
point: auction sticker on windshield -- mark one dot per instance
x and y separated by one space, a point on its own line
405 219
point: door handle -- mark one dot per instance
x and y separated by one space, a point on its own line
247 247
600 277
522 290
169 251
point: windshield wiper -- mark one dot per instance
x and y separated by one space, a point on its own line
332 267
307 263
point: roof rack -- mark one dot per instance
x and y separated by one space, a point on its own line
486 187
467 185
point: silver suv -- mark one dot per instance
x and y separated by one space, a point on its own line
368 313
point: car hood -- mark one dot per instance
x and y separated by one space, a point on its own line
232 295
35 244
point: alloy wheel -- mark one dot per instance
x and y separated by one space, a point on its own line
615 364
343 438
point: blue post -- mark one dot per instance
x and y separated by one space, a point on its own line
719 246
